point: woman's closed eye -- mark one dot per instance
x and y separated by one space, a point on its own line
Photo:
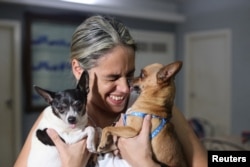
113 77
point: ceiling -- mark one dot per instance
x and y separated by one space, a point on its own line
161 10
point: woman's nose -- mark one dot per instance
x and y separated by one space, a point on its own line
123 85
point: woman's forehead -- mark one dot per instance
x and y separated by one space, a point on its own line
119 58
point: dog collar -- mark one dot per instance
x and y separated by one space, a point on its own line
142 115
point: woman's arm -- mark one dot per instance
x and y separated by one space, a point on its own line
194 151
73 155
23 156
137 150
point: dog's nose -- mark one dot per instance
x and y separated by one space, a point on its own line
72 120
136 88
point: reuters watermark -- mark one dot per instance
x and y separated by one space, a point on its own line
228 158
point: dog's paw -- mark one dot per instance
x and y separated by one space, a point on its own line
102 147
91 147
105 143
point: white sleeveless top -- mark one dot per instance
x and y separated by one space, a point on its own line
109 159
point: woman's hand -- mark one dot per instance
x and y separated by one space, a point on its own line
137 150
73 155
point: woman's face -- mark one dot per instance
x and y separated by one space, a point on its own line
109 89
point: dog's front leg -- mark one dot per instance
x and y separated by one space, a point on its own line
108 133
89 132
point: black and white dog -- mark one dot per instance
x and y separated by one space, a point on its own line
67 115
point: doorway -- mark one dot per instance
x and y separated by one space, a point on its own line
10 96
208 80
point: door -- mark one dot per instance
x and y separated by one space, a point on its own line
10 108
207 81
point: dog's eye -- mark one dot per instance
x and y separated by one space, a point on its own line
78 104
62 107
142 75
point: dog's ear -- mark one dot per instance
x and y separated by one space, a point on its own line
46 94
83 83
169 71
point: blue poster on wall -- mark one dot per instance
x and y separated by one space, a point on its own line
50 50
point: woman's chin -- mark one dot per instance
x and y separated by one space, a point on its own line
116 108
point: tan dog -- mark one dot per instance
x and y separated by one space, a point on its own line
157 94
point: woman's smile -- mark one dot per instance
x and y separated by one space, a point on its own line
117 100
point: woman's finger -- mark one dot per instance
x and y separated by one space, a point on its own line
56 139
146 126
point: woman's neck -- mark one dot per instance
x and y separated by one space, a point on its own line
101 118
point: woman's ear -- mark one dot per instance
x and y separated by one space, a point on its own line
76 69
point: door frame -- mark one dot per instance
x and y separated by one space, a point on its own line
16 62
188 40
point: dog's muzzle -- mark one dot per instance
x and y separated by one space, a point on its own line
137 89
72 120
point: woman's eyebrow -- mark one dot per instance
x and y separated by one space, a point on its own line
131 72
113 76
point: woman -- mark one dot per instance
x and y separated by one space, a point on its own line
104 47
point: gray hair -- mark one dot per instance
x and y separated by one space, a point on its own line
96 36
